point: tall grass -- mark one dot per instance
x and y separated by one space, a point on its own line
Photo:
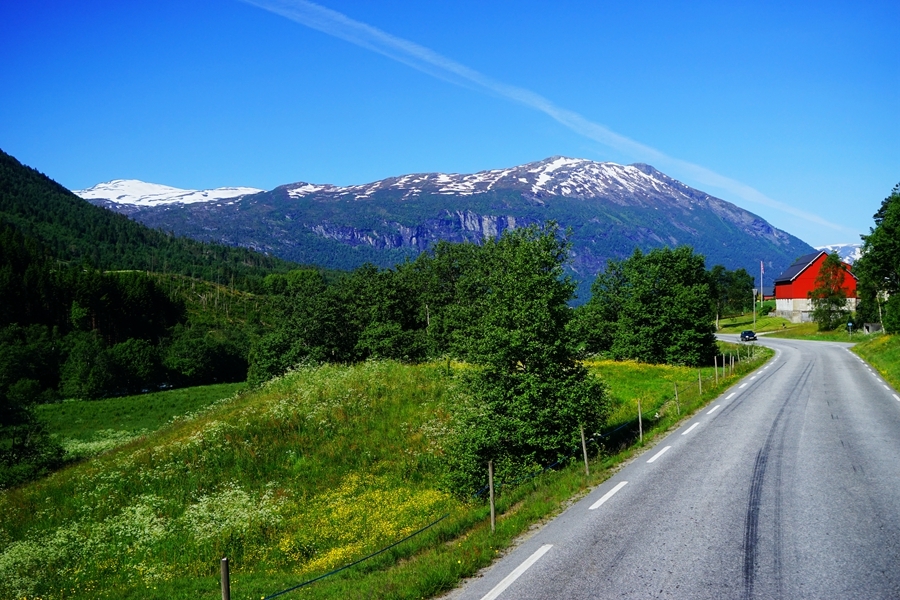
308 473
882 351
88 427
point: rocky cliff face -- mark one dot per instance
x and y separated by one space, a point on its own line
610 210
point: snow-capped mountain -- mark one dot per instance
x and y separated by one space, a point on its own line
140 193
556 176
610 209
849 253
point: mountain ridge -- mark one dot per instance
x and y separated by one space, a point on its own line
611 209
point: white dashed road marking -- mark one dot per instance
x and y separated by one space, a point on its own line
607 495
660 453
689 429
517 572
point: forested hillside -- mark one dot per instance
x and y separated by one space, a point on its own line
66 228
93 305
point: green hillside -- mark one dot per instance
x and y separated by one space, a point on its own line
308 473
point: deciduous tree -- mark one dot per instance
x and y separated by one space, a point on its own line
829 298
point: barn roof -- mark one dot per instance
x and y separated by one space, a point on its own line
801 265
798 267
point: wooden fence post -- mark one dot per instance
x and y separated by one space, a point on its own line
700 381
226 581
640 423
587 471
716 368
677 404
491 486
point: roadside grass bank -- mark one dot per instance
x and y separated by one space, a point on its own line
743 322
810 331
882 351
311 472
88 427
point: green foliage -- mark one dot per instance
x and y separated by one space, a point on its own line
764 308
26 451
732 291
653 308
829 298
879 267
529 398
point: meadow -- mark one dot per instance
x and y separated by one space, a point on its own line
88 427
308 473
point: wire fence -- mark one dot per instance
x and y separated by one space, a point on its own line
627 433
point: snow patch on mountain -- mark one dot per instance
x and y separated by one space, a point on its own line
141 193
556 176
849 253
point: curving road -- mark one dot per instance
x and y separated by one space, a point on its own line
787 486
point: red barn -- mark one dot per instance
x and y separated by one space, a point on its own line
792 287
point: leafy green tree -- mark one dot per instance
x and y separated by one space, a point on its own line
87 371
529 396
829 298
654 308
731 290
136 366
198 356
879 267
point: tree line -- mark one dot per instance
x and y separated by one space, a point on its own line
505 306
878 269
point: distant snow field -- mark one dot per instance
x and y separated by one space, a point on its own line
140 193
849 253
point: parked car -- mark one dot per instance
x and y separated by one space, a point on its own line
747 335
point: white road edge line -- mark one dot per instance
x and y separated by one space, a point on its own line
660 453
689 429
715 408
896 397
607 495
886 387
517 572
742 386
752 378
730 396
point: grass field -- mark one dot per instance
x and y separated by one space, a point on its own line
88 427
810 331
311 472
739 324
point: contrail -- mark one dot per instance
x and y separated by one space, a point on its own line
428 61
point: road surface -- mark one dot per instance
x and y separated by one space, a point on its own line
786 486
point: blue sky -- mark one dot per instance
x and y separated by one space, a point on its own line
790 111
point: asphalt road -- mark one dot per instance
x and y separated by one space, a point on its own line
787 486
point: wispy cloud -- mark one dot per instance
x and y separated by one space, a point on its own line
428 61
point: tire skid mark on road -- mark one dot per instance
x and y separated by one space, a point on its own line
732 406
751 526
